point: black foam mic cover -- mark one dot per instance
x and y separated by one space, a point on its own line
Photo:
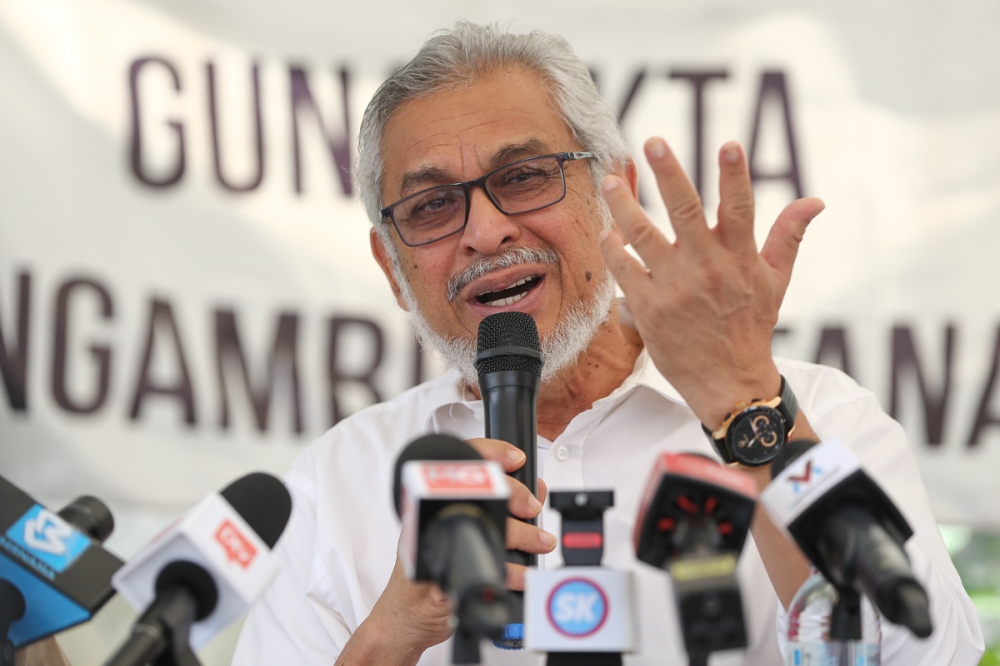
263 502
508 341
91 516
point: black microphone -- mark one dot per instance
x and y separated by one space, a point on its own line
851 531
453 505
693 522
54 573
509 363
202 572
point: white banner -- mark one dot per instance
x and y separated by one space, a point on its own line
186 288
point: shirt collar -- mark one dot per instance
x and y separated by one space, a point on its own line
454 397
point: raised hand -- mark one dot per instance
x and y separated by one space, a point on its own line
706 304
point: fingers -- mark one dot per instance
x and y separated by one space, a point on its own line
515 576
637 229
687 216
509 456
528 538
735 200
521 502
624 268
414 598
782 244
524 536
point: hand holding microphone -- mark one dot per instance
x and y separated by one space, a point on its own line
412 616
523 506
452 505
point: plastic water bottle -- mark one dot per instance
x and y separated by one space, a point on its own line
809 642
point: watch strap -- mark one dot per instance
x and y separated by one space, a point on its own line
789 405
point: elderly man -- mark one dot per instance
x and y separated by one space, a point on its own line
497 179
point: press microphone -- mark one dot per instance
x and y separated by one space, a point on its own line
54 573
581 614
850 530
453 506
693 521
203 571
509 364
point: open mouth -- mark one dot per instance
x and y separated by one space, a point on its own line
510 294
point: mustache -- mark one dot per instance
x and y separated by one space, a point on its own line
511 257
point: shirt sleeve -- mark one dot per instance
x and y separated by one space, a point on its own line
881 445
286 625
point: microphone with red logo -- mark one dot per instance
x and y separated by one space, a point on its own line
851 531
202 572
693 522
453 506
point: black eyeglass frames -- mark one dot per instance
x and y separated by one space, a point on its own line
523 186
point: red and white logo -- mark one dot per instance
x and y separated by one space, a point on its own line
457 476
237 547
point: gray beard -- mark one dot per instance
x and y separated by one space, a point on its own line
560 348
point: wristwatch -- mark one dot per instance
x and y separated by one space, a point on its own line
754 432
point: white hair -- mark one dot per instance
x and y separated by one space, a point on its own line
469 52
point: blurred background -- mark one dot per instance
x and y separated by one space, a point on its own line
187 293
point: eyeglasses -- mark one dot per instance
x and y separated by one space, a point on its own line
523 186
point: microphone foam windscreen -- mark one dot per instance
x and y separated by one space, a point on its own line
91 516
509 329
430 447
789 453
263 501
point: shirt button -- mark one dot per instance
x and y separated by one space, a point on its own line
561 453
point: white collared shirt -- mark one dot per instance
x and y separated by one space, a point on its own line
340 546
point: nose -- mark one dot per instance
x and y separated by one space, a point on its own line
487 229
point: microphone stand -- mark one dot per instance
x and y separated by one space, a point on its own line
583 513
697 659
162 635
12 609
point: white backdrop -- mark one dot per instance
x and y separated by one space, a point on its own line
174 195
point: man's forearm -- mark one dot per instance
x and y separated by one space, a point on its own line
785 564
377 645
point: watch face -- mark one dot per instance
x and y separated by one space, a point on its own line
757 435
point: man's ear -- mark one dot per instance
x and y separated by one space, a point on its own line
381 255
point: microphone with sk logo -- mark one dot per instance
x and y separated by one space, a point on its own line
582 614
